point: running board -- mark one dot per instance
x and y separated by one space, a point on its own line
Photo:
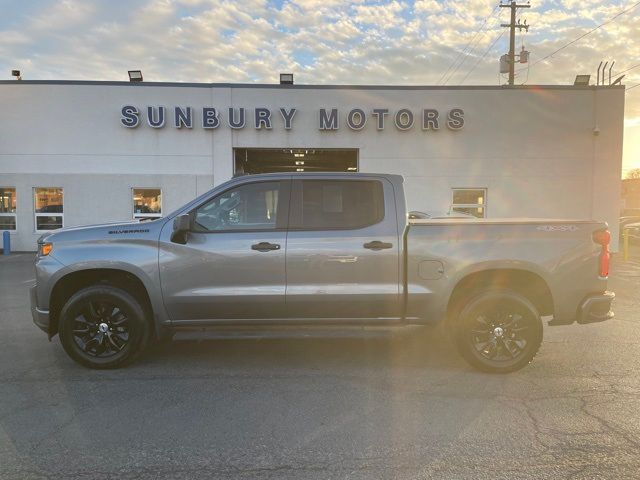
202 334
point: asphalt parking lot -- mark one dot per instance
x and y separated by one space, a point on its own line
390 407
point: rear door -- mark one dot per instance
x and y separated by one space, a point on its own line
342 249
233 264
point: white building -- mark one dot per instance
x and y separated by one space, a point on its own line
75 152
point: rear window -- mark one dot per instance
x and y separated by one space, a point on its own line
340 204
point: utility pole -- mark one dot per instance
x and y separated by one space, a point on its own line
512 35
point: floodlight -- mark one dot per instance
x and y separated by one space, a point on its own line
135 75
582 80
286 79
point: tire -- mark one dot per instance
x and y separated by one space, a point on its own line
498 331
103 327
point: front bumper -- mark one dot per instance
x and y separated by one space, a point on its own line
596 308
40 317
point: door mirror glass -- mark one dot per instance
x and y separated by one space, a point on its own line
181 227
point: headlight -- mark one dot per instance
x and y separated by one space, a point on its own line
44 249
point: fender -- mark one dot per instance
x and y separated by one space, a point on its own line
149 280
457 276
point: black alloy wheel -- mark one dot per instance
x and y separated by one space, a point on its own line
499 331
103 327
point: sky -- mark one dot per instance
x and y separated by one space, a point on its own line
411 42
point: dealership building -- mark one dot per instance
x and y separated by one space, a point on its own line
80 152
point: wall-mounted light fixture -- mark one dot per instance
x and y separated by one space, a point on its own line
286 79
135 75
582 80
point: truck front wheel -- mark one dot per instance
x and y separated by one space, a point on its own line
498 331
103 327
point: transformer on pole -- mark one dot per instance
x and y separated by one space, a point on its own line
508 64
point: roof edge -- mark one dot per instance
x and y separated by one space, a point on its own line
306 86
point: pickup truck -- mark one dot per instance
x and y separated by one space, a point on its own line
318 251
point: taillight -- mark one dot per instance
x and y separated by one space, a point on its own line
603 238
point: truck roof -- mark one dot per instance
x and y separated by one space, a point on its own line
390 176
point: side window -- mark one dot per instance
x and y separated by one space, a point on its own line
253 206
340 204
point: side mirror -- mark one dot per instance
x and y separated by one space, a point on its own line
181 226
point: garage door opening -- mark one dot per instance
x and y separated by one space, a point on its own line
267 160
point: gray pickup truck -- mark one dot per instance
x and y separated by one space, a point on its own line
318 251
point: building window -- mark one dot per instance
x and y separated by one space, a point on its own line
147 203
48 208
7 208
471 201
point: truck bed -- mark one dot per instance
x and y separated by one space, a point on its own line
443 252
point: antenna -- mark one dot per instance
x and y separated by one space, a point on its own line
598 76
618 80
612 64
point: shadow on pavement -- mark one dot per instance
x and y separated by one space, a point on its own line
417 348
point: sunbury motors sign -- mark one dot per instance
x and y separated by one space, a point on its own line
210 118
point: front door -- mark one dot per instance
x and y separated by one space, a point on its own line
233 264
342 249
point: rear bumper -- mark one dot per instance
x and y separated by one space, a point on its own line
596 308
40 317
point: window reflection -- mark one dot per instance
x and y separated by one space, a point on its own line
147 203
48 203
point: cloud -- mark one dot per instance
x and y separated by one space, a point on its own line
321 41
381 15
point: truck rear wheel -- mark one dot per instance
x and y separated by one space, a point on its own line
103 327
498 331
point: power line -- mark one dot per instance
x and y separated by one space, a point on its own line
587 33
628 69
491 14
474 44
632 87
453 72
483 55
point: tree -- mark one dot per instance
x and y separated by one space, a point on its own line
633 173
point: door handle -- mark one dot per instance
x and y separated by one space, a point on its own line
377 245
265 246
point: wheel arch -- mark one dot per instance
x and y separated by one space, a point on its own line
526 282
76 280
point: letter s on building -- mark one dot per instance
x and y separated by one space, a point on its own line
455 119
130 116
